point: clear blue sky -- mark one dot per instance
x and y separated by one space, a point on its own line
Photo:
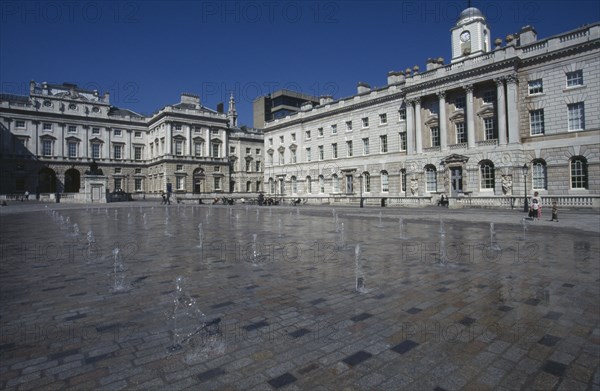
145 53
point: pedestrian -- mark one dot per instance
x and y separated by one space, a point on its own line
536 206
261 198
26 195
554 212
164 198
169 198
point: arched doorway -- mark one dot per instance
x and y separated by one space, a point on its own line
46 180
72 181
199 180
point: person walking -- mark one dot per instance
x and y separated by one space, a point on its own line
536 206
26 195
554 212
164 198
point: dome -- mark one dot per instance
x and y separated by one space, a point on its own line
468 15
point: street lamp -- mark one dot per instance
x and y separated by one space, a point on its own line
361 189
524 169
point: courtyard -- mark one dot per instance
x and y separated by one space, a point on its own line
142 296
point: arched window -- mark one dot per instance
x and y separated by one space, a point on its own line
486 169
579 173
403 180
335 183
308 185
430 178
366 182
538 174
385 185
321 184
294 185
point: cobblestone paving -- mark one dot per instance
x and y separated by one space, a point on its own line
193 300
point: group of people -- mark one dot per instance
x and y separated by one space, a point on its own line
535 208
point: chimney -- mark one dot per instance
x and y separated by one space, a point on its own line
325 99
190 99
395 77
527 35
363 87
220 107
306 106
106 97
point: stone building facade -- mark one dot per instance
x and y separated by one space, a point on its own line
50 138
493 123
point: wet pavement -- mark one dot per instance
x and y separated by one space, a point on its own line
142 296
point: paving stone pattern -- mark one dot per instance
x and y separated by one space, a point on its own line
282 311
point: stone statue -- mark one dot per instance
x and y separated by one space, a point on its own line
414 186
507 184
94 170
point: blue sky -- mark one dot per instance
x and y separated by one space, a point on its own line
145 53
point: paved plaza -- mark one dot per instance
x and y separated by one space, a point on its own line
142 296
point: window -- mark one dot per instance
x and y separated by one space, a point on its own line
232 150
365 146
117 149
321 152
197 129
403 180
72 149
270 157
117 132
95 151
294 185
307 134
214 132
48 127
461 136
334 129
270 141
248 151
320 130
117 183
178 147
137 153
385 186
308 185
382 119
20 124
487 175
293 136
217 168
576 116
366 182
271 185
180 182
217 183
575 78
489 96
435 136
460 102
138 184
308 154
539 174
488 128
257 166
137 134
431 178
178 127
402 113
349 151
321 184
95 130
198 147
349 184
334 151
138 171
72 129
281 157
365 122
579 174
281 139
179 167
348 125
535 87
248 166
403 141
335 184
216 150
383 147
281 186
118 170
536 121
293 154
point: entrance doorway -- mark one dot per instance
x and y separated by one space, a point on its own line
456 181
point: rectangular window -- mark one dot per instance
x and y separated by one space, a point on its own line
248 151
216 150
307 134
382 119
431 177
348 125
96 151
489 96
281 139
536 121
247 165
179 167
117 170
321 152
117 149
72 129
180 183
137 153
334 129
95 130
535 86
435 136
349 151
138 184
138 171
308 155
137 134
118 184
72 147
576 116
217 168
383 147
47 127
367 183
179 147
488 128
198 149
320 131
258 151
460 102
293 153
217 183
232 150
385 185
178 127
20 124
461 135
334 151
293 136
575 78
117 132
257 166
365 146
281 158
403 141
270 140
402 114
365 122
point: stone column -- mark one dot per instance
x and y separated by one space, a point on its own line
169 139
470 117
419 136
190 152
61 141
501 110
513 111
410 128
442 120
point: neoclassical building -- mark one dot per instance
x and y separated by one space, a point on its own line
496 121
50 137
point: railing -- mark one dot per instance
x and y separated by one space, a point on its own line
575 35
485 143
534 47
458 146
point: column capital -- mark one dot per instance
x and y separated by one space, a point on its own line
441 94
512 79
499 81
468 88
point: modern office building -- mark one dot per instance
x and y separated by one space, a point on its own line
279 104
496 122
50 137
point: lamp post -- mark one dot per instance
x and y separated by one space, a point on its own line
361 189
524 169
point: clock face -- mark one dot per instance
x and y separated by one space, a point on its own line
465 36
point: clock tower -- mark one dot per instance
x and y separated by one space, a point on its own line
470 35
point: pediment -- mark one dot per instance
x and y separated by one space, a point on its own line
457 116
455 158
486 111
